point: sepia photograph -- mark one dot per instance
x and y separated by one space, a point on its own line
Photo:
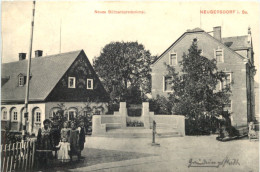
130 86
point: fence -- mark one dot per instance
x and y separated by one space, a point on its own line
17 156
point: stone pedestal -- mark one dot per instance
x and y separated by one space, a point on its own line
145 114
97 127
123 113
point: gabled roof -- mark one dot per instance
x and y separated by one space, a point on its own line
195 31
45 73
237 42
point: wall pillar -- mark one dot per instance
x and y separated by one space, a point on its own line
145 114
97 127
123 113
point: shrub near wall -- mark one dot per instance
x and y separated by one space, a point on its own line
160 105
8 137
134 110
205 125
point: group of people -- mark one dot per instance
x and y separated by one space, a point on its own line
60 143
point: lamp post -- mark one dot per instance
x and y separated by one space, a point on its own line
28 76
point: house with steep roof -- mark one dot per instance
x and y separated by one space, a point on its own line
66 79
234 56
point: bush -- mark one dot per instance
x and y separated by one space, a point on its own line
8 137
160 105
134 110
205 125
112 107
134 124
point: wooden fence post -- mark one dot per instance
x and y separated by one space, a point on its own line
4 159
23 154
33 155
8 157
17 156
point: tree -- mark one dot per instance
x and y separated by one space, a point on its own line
194 88
121 65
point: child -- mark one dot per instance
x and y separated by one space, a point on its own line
63 152
65 132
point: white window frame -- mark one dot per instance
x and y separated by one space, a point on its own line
230 76
215 54
4 114
53 112
36 112
90 88
15 115
170 59
164 85
74 113
223 83
36 116
20 80
74 82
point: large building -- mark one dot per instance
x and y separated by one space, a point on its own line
234 55
66 79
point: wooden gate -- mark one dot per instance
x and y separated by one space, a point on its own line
17 156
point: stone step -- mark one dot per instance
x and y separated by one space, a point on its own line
138 132
113 125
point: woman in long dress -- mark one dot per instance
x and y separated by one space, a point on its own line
44 143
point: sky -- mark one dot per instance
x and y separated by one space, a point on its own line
81 27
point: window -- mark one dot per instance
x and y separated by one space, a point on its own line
4 114
167 84
219 55
226 82
15 116
72 115
72 82
90 84
21 80
173 59
54 112
38 117
72 112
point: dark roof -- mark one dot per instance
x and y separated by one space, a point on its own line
237 42
45 74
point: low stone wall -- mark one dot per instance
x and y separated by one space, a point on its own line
176 122
101 123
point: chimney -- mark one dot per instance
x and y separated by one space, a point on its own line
217 32
38 53
22 56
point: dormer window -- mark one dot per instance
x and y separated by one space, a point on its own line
90 84
72 82
173 59
219 55
21 80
